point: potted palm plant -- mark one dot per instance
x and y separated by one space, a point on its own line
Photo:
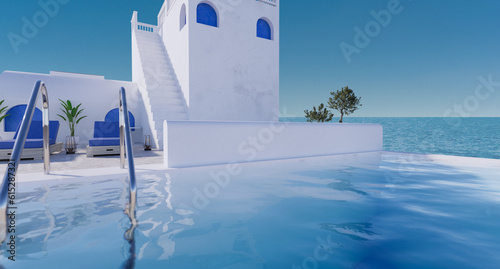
71 115
2 111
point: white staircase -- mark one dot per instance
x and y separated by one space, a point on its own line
162 90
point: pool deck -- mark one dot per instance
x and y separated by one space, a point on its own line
69 165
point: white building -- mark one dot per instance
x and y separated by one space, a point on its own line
205 86
203 61
209 60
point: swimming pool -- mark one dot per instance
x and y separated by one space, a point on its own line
370 210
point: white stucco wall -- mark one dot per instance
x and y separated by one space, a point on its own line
234 74
226 73
195 143
96 94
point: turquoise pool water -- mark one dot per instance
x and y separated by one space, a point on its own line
371 210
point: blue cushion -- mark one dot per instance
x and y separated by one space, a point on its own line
105 129
16 115
36 130
30 143
106 133
114 116
99 142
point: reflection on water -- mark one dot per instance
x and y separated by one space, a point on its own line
130 233
357 231
158 230
59 215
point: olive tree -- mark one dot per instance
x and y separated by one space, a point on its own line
320 115
345 101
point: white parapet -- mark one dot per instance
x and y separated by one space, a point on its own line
197 143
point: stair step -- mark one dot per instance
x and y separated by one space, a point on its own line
171 116
156 60
150 45
147 37
161 102
168 101
172 95
164 86
166 109
162 98
152 52
159 73
156 63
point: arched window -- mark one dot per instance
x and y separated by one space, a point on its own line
182 19
205 14
264 30
16 115
114 116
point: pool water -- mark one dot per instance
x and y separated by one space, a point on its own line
370 210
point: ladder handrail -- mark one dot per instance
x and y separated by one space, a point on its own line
15 157
126 144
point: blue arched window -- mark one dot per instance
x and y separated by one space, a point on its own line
182 18
205 14
264 29
16 115
114 116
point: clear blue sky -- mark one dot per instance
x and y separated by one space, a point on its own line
425 61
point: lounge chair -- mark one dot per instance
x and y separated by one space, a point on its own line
33 148
106 139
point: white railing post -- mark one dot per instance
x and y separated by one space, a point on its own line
134 21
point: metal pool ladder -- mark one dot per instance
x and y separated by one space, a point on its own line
9 179
126 143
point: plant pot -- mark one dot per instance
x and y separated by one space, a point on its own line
71 144
147 143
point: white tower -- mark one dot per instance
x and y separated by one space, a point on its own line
209 60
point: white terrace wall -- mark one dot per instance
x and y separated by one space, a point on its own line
96 94
226 72
196 143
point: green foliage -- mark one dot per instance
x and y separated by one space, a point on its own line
2 111
71 115
345 101
320 115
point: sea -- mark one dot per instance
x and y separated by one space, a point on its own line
470 137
